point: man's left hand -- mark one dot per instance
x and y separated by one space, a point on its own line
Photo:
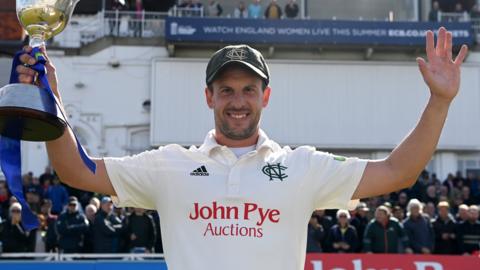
441 73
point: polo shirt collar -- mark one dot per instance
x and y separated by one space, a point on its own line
210 142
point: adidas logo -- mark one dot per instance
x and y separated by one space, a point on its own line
202 171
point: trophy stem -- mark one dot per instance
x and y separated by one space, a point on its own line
36 41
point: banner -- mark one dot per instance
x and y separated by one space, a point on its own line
309 32
390 262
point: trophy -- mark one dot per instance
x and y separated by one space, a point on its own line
29 112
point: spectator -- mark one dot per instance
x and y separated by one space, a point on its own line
114 20
430 210
197 8
315 235
96 202
136 22
326 222
342 237
107 228
71 227
14 237
90 211
398 213
384 234
360 221
58 195
140 231
273 10
158 241
444 227
51 235
291 9
433 14
462 214
468 232
418 228
466 196
240 11
39 245
33 199
255 10
4 202
402 200
214 9
431 195
47 175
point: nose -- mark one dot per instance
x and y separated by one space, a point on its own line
238 100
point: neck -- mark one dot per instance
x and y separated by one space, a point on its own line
223 140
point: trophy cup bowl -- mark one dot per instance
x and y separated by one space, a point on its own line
27 112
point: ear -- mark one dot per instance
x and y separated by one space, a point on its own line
266 96
209 97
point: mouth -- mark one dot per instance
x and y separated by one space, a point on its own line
238 115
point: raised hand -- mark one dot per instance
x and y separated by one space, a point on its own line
441 73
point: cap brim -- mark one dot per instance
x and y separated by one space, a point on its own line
246 64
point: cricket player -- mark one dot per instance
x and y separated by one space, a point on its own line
240 201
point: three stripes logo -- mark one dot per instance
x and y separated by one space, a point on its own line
201 171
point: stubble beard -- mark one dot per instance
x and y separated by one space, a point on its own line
230 132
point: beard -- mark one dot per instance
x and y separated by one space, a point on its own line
233 133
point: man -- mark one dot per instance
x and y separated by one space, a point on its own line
14 238
58 194
385 234
468 232
214 9
107 229
140 230
360 222
444 228
433 14
71 227
291 9
255 10
240 192
273 10
418 228
240 11
342 237
90 212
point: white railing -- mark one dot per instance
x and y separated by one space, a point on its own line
76 256
453 17
186 12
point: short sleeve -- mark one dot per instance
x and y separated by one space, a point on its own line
334 179
132 178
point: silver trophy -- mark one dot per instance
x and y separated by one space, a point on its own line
27 112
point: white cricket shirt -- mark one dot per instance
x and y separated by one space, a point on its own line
220 212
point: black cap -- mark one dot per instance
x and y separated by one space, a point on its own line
242 54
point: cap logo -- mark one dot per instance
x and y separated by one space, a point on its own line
237 54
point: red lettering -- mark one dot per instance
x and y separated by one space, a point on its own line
249 207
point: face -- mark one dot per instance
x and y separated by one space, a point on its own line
15 213
139 211
443 212
381 216
107 207
342 219
414 211
90 212
473 213
237 100
463 213
72 207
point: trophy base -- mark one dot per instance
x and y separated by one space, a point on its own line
28 113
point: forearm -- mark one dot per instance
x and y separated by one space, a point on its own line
411 156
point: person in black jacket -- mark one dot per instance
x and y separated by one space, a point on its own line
418 228
315 235
14 236
342 237
71 227
140 231
360 221
107 228
444 227
468 233
385 234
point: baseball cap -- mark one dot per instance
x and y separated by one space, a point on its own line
242 54
105 199
72 200
362 206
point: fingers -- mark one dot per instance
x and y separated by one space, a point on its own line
440 48
27 59
422 65
430 45
448 45
26 71
461 55
23 78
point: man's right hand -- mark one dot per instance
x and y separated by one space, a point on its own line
29 76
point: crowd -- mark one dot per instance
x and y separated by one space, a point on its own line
433 216
74 221
458 10
253 10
